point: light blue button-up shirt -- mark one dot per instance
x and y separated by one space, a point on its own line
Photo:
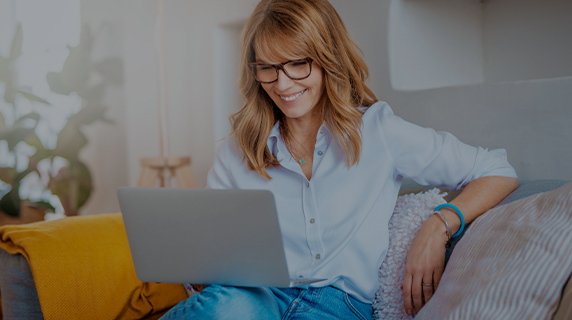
335 225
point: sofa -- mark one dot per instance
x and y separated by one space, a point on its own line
80 268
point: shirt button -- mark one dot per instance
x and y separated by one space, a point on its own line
318 256
320 153
322 130
312 220
308 184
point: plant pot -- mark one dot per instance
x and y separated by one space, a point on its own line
28 214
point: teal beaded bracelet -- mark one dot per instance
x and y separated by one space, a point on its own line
448 205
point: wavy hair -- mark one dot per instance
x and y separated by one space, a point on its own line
280 30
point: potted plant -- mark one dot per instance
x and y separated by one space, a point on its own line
72 184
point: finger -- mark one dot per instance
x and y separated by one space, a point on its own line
427 290
407 302
417 293
437 275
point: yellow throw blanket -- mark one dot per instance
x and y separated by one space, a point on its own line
82 268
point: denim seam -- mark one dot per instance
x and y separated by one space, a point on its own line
287 313
304 309
352 308
293 310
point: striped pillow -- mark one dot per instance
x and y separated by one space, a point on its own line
511 264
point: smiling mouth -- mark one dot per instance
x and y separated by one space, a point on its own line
294 97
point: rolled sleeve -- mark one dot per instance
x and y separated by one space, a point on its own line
438 158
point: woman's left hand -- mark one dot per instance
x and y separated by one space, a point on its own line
425 263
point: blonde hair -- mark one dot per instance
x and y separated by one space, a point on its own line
294 29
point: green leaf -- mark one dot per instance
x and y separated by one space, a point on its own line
94 93
34 141
20 131
77 67
15 135
56 84
2 123
32 115
81 171
76 70
73 185
71 139
10 93
42 205
32 97
40 154
111 69
10 202
89 114
16 49
4 69
21 175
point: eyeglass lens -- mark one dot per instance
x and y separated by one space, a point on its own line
295 70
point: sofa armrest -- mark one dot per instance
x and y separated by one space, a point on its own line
19 295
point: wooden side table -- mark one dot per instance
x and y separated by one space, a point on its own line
153 169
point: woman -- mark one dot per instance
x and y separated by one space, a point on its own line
314 134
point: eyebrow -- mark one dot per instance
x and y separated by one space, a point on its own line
262 61
299 54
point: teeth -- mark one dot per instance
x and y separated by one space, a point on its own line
292 97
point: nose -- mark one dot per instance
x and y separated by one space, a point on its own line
283 81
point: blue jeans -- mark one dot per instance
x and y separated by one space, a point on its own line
225 302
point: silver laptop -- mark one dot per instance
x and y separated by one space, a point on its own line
203 236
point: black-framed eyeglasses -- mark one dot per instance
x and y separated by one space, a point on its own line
294 69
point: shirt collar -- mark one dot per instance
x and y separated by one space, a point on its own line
272 142
275 132
274 137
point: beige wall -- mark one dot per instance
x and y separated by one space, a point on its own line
106 153
193 30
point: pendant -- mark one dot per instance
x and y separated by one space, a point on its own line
302 161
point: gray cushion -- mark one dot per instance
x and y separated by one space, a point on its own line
529 187
19 295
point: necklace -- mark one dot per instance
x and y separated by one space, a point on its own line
301 161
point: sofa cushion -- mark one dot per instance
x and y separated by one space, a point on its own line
19 293
517 253
529 187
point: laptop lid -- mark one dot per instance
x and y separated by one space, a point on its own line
204 236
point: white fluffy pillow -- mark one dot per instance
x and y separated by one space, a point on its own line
411 210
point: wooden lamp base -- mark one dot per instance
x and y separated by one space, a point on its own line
153 169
